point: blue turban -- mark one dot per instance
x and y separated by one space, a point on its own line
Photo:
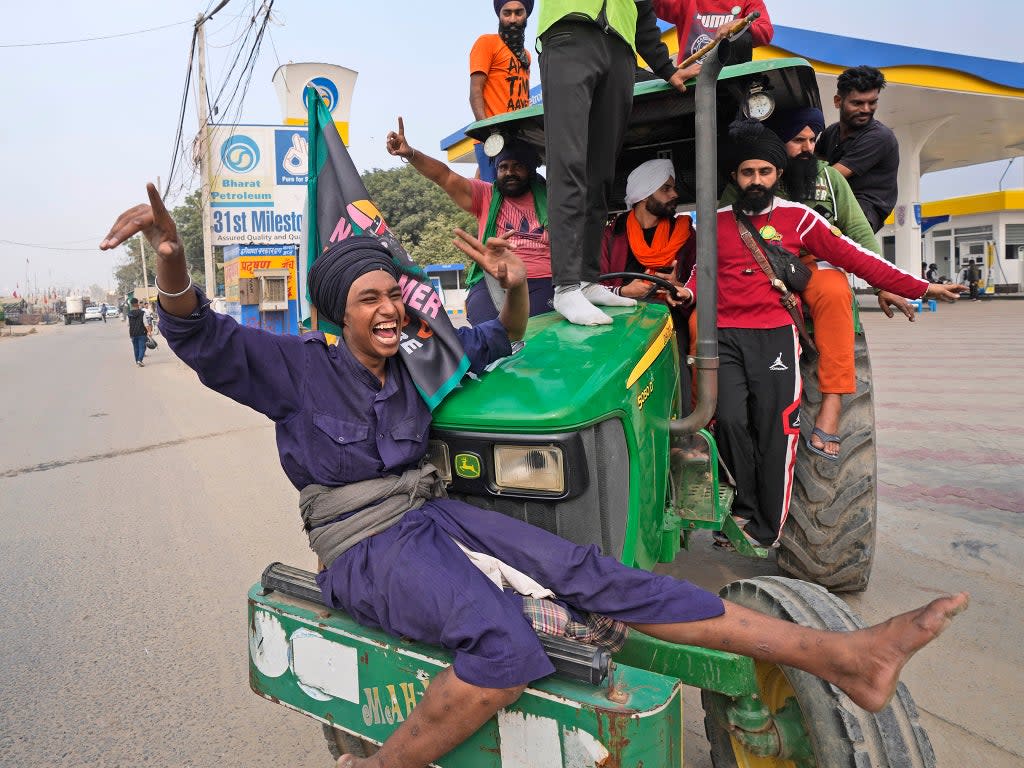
788 123
521 152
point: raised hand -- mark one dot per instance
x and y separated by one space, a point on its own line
396 143
497 257
153 221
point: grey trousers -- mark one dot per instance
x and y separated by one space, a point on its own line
587 77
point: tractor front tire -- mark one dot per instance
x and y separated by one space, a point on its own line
829 537
841 734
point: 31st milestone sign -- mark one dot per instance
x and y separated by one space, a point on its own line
258 183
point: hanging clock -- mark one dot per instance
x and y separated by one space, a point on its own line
759 103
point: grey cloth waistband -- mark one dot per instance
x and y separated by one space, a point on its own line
378 504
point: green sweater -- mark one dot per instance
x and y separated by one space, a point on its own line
633 21
834 200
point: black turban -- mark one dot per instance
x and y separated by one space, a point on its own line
752 141
788 123
499 4
334 271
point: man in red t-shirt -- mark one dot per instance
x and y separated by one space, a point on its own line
513 207
758 419
698 22
499 71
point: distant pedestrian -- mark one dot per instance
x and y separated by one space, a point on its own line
147 317
137 331
103 312
974 278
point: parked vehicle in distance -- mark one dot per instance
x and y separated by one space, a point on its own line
74 310
113 312
93 313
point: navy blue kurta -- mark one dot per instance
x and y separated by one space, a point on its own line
337 424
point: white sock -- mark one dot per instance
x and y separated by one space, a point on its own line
571 304
596 293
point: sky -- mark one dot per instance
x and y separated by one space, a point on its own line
89 123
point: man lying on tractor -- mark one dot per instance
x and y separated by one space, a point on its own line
352 433
759 387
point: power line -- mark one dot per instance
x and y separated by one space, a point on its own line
92 39
53 247
181 112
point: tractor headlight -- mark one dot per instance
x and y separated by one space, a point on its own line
529 468
438 455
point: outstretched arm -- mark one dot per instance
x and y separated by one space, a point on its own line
499 260
457 187
156 224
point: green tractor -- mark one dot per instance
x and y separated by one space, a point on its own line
574 434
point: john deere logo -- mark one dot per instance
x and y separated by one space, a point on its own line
467 465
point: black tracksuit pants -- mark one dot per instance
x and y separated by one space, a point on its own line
758 422
587 77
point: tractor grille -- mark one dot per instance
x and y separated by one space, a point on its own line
596 516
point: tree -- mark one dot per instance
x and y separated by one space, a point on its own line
419 212
435 242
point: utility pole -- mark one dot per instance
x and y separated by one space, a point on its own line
142 255
204 157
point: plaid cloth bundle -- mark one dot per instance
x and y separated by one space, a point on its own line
554 619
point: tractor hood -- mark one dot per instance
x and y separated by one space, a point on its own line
566 376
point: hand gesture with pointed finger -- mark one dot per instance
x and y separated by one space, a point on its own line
153 221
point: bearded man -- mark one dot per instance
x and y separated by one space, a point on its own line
819 186
513 207
499 71
759 386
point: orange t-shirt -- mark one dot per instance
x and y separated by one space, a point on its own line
508 83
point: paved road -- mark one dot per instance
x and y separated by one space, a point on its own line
136 508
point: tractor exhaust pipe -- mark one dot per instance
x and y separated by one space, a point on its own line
706 149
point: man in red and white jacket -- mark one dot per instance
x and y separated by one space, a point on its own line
698 22
758 418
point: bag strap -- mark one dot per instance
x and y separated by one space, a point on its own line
787 299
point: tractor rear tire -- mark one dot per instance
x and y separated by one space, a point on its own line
841 734
341 742
829 537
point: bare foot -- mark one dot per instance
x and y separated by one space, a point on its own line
828 422
348 761
881 651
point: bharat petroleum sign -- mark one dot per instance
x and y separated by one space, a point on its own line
334 84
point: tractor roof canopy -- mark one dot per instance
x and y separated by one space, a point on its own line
662 121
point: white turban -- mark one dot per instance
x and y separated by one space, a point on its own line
646 178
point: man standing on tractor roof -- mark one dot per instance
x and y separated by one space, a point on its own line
819 186
699 22
513 207
588 52
499 71
861 148
758 417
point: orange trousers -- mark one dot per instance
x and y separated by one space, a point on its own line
828 298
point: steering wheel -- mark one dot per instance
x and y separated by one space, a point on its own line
661 282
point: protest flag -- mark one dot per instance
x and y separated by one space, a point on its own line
338 207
